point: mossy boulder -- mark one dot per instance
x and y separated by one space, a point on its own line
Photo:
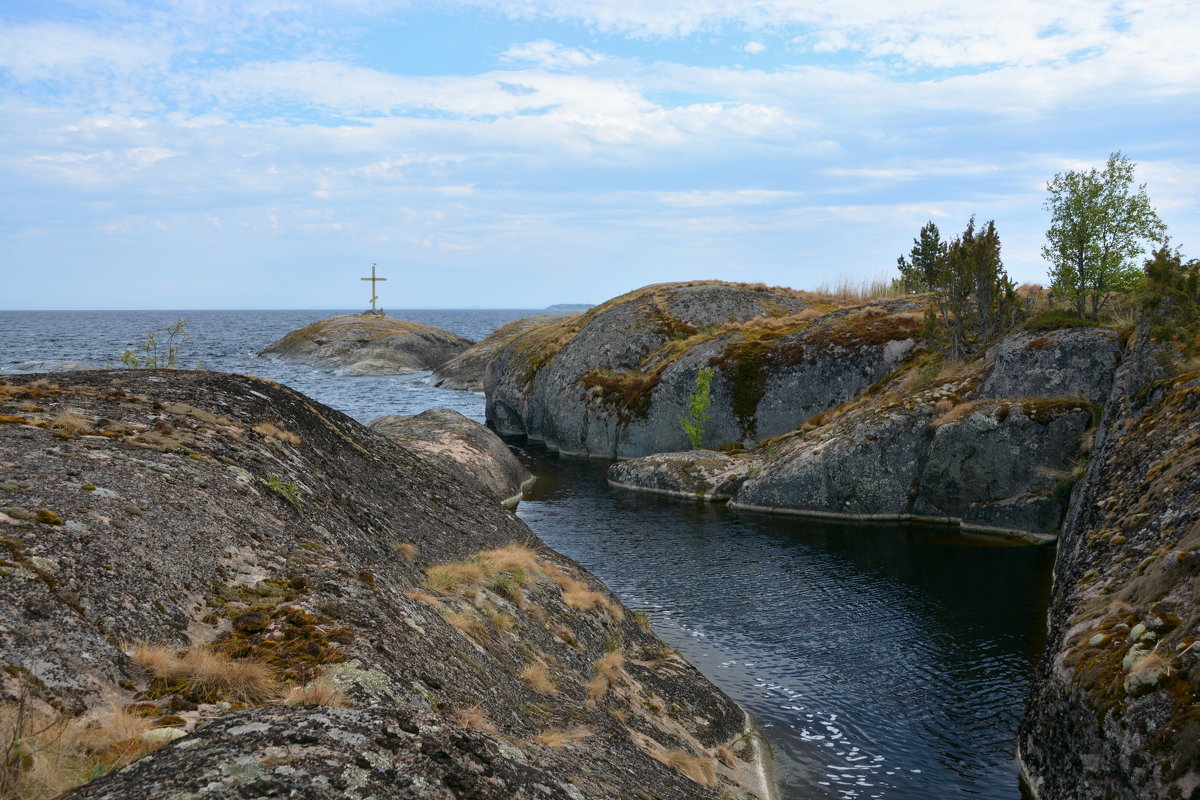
369 344
462 446
616 380
1068 362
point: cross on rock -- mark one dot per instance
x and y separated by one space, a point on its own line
373 281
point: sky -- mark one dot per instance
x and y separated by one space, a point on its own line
184 154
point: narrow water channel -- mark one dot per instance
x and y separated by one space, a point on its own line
883 661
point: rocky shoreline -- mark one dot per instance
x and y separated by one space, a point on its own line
1065 431
264 596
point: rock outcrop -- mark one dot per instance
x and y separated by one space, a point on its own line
615 380
53 366
465 370
705 474
991 447
177 546
369 344
1115 711
461 445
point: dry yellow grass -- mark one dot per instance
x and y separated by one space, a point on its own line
726 756
512 556
407 550
578 596
451 576
424 598
500 620
273 431
596 688
474 718
320 692
47 755
538 677
558 737
243 681
468 624
74 422
701 769
851 291
609 665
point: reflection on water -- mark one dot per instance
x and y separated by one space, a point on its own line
885 661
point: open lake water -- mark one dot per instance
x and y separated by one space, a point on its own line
883 661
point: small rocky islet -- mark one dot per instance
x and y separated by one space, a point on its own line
369 344
459 657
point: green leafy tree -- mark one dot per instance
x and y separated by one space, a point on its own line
974 300
698 402
1099 224
917 271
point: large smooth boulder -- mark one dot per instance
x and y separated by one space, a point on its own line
704 474
369 344
463 446
1069 362
465 370
864 466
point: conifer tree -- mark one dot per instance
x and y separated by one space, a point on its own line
916 272
974 299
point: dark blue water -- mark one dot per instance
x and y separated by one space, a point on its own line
228 341
884 661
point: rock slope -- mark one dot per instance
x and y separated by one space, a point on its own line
1115 711
212 555
463 446
993 446
369 344
615 380
465 370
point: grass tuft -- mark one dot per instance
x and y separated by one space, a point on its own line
538 677
320 692
701 769
558 737
242 681
474 718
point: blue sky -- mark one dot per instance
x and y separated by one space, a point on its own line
517 153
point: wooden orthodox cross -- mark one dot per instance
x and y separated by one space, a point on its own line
373 280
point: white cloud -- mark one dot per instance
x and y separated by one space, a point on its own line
52 50
754 48
738 197
938 33
551 55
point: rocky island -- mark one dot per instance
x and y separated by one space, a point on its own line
369 344
261 597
